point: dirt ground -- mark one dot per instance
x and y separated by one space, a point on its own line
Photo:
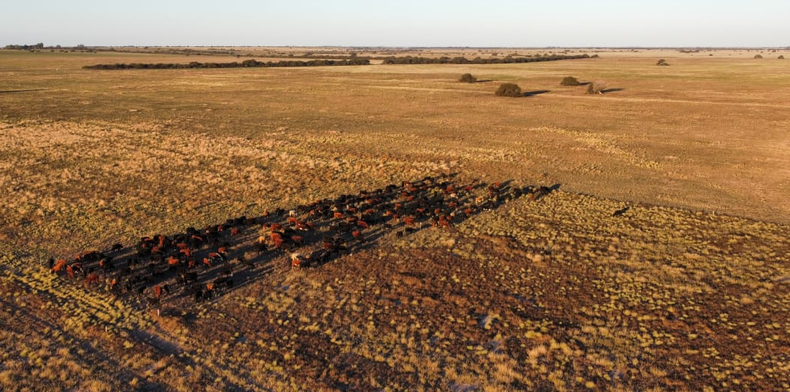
687 289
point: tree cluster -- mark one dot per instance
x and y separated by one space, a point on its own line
477 60
39 45
244 64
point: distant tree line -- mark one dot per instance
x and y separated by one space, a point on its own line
243 64
478 60
39 45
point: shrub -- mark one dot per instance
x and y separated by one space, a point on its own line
757 56
596 88
508 90
463 60
569 81
781 57
467 78
662 62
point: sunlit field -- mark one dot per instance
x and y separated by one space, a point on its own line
632 240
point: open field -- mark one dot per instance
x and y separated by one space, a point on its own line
703 133
687 290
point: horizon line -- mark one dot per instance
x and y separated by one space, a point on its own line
10 46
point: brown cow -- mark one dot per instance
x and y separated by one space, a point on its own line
297 240
59 266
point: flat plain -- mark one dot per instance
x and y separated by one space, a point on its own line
687 290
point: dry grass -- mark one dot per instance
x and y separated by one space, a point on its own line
418 112
555 294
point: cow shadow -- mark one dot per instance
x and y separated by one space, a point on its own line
203 265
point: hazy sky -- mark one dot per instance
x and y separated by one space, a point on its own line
398 23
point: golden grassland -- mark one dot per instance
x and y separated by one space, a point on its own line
703 133
688 290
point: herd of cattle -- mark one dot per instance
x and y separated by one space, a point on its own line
203 263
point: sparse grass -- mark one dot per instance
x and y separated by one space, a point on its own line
555 294
238 103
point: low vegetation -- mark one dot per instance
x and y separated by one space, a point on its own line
479 60
243 64
577 290
596 88
467 78
509 90
569 81
559 293
662 62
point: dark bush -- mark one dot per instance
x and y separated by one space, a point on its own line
596 88
509 90
781 57
569 81
462 60
467 78
245 63
662 62
757 56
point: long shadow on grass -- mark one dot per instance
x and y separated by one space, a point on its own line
92 354
536 92
200 265
21 91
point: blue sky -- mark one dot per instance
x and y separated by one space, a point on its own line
525 23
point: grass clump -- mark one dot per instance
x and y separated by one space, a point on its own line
596 88
662 63
781 57
467 78
569 81
757 56
508 90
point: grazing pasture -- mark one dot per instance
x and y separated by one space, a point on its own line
646 248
